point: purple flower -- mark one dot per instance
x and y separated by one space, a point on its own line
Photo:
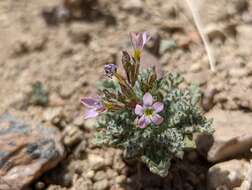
94 105
139 39
110 69
149 112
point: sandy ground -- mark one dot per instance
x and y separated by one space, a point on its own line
68 57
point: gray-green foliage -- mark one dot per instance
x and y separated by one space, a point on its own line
155 145
39 95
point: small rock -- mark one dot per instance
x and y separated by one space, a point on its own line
211 13
100 175
27 44
215 31
39 147
80 33
120 179
51 114
238 72
166 45
244 38
247 183
67 90
40 185
230 174
55 187
90 174
101 185
89 124
55 100
72 135
196 67
83 184
79 121
132 5
111 173
96 162
232 136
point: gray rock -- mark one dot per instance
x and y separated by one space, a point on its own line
232 136
27 151
228 174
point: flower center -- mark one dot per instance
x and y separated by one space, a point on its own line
148 112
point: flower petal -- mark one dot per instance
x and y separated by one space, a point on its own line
158 107
139 110
110 70
145 38
89 102
143 122
91 114
147 99
139 39
157 119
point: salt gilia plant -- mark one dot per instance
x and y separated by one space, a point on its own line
151 119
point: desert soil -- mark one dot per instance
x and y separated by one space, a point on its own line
67 57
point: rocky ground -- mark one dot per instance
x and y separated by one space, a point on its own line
51 58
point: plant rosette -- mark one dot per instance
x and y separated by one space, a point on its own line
151 119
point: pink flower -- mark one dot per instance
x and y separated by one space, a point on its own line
149 112
139 39
95 107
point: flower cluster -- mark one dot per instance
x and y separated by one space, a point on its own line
150 118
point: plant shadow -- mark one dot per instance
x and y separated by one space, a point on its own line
187 174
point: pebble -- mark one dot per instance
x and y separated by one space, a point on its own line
120 179
238 72
80 33
96 162
40 185
132 5
55 100
50 114
111 173
101 185
83 184
90 174
72 135
79 121
230 173
100 175
89 124
67 90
